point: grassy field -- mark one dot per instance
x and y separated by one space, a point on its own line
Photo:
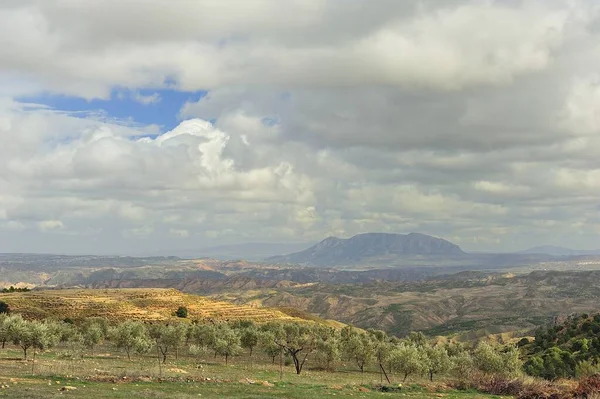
110 375
33 388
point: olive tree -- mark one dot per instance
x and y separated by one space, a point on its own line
497 360
168 337
34 335
249 338
406 359
418 339
358 347
227 342
462 366
383 346
131 336
298 340
267 341
4 322
94 330
436 360
202 337
328 351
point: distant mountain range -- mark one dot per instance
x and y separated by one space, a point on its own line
558 251
250 251
253 251
376 247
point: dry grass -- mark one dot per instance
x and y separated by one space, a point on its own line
128 304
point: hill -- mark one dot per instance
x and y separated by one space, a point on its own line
125 304
558 251
560 347
470 304
375 247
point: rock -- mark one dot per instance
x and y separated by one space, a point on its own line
68 388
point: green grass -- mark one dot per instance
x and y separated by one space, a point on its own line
41 388
110 375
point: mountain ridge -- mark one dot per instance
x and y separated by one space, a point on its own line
370 247
554 250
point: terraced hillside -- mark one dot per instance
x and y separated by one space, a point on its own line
140 304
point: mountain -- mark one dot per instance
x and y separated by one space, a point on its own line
558 251
250 251
371 247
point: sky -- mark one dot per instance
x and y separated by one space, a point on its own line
137 127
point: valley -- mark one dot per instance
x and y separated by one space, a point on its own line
457 301
394 283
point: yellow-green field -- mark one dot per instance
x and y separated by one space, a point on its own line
130 304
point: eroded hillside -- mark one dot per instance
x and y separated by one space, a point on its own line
477 305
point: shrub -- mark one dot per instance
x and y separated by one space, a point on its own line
524 388
4 308
182 312
542 389
588 386
499 385
586 369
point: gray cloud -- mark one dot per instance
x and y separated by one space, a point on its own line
474 120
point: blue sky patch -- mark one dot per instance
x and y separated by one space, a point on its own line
160 107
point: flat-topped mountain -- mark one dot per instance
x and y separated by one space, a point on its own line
370 247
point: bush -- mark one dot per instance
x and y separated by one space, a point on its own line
542 389
498 385
588 386
524 388
182 312
586 369
4 308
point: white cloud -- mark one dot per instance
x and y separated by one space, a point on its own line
204 45
582 108
469 119
49 225
146 99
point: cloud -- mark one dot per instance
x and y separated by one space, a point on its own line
473 120
67 48
179 233
153 98
49 225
